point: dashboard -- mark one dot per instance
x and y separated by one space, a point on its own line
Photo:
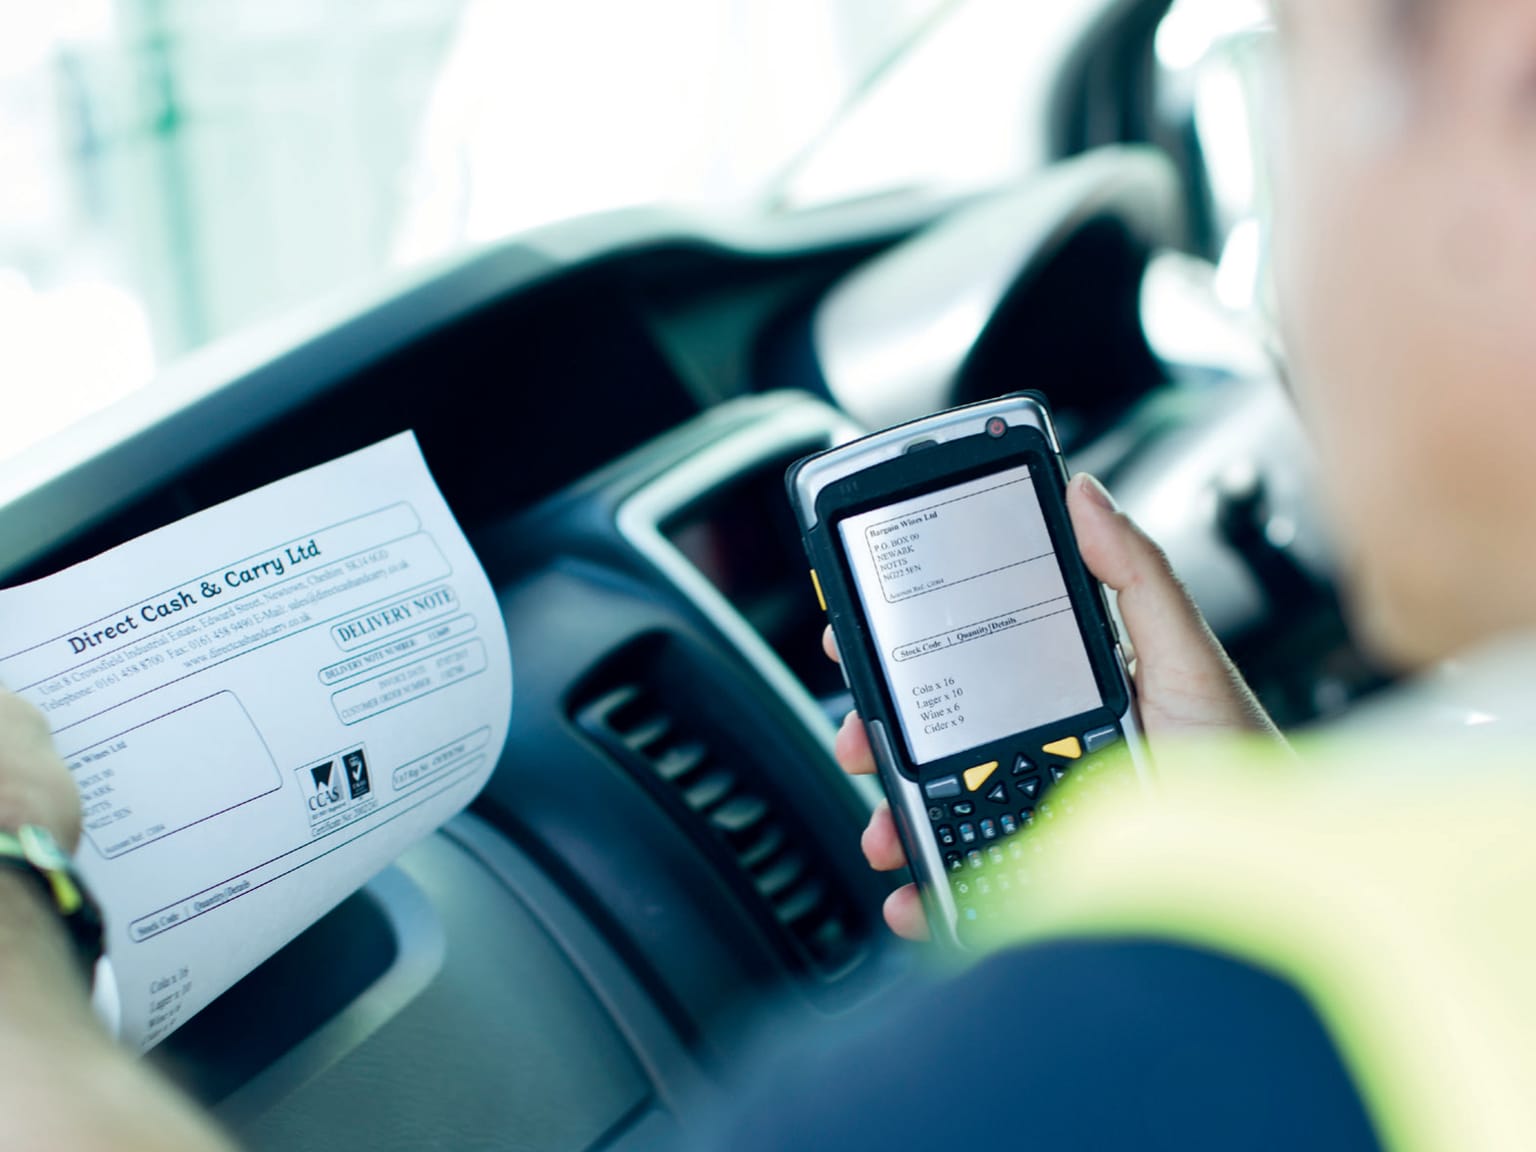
657 871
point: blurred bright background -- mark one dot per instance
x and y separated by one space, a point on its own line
176 171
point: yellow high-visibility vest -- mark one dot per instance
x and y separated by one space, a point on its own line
1396 888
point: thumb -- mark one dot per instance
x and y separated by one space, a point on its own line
1177 655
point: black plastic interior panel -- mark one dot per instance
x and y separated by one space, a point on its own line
328 967
513 400
505 403
713 312
743 538
669 903
1074 329
585 610
581 519
504 1046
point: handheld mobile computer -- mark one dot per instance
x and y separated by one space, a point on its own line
979 650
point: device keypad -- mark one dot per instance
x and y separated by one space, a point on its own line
994 838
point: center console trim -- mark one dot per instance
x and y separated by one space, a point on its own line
805 427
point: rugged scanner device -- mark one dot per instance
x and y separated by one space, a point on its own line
981 653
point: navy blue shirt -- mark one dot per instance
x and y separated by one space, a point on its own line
1084 1045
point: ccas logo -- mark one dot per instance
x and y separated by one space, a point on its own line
336 790
327 789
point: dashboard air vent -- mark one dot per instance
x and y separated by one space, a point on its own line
641 714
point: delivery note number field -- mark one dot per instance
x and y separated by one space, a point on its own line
413 681
952 542
213 748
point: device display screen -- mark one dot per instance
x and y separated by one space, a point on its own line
970 614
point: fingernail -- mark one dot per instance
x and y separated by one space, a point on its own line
1096 492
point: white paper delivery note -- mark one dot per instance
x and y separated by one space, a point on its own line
262 705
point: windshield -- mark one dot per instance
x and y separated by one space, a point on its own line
180 170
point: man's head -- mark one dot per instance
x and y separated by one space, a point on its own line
1406 251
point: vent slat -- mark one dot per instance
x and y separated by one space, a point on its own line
709 791
739 816
606 707
829 939
647 734
802 903
762 847
683 760
781 875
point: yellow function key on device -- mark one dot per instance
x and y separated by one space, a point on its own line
1069 749
977 776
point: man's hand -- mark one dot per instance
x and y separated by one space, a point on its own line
35 786
1185 681
63 1083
